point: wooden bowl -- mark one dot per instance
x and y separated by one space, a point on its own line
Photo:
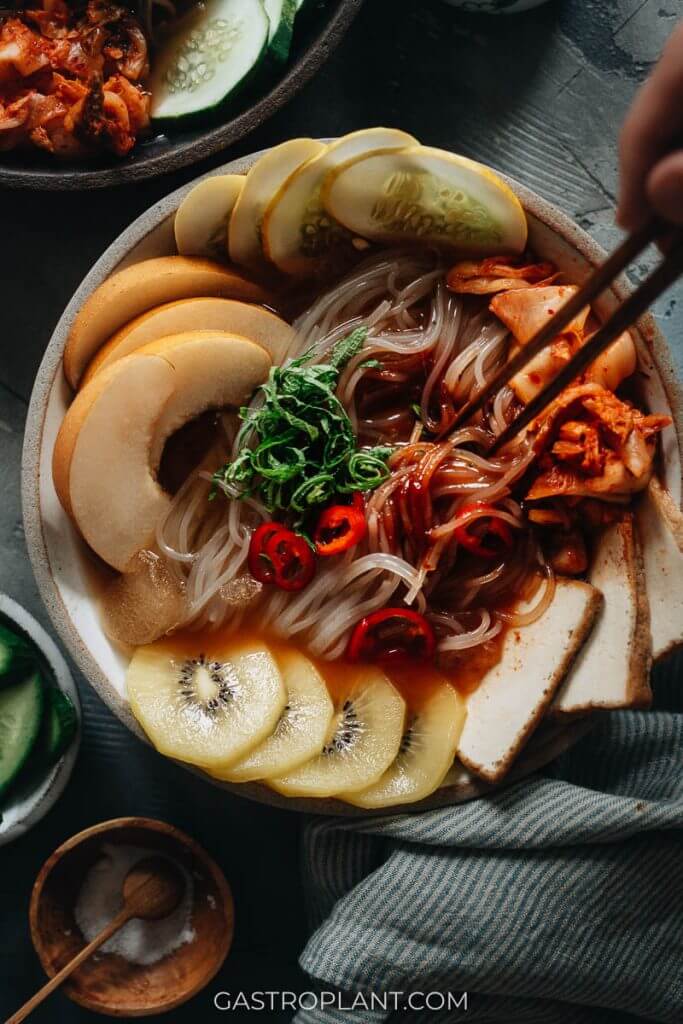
107 983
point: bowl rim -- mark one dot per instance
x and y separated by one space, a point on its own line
102 828
115 255
48 789
210 141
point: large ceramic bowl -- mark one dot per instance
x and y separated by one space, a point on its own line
319 31
58 554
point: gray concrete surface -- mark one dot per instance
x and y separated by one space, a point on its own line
539 96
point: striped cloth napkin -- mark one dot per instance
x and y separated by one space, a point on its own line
559 899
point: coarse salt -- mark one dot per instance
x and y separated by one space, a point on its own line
101 898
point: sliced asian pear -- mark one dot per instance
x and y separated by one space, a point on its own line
513 696
201 221
207 701
612 668
660 525
298 234
253 322
264 179
141 287
212 370
101 461
426 195
301 729
434 721
524 311
363 740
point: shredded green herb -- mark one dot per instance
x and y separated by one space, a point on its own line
297 449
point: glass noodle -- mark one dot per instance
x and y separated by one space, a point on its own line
434 349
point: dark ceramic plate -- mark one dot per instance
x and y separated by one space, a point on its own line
318 32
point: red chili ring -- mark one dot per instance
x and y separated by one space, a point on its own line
375 639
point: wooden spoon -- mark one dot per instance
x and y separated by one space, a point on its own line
152 889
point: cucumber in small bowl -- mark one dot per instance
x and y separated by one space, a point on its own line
21 715
39 716
210 55
17 656
57 730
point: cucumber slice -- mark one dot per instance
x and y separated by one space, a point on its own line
298 235
57 730
201 221
281 14
261 183
426 195
17 656
21 710
213 52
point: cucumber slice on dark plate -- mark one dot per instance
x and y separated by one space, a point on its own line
212 54
21 712
281 14
17 656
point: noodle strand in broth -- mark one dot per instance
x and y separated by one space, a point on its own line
425 353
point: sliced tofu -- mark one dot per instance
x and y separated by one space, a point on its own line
514 695
660 525
613 668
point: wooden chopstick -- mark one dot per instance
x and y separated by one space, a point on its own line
601 277
623 317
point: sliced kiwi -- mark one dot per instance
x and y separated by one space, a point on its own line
428 745
362 742
301 729
205 705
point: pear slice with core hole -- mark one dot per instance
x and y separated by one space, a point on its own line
141 287
207 703
201 221
299 236
426 195
434 721
213 370
101 464
109 447
364 737
261 183
302 728
257 324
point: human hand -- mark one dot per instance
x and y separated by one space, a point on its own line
651 144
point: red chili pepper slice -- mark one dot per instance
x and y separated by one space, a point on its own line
488 536
339 528
392 635
260 566
291 558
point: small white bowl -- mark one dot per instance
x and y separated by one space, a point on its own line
31 802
